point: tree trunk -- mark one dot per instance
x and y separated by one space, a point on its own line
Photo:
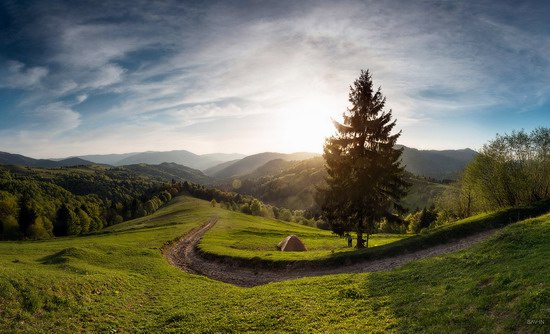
360 241
469 210
367 245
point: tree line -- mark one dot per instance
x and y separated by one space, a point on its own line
510 170
246 204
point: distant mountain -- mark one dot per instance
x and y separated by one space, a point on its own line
215 169
288 184
108 159
446 164
252 162
293 185
275 167
167 171
439 165
73 162
21 160
181 157
16 159
224 156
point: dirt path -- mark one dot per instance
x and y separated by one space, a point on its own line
183 255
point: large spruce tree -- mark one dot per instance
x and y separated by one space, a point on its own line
365 177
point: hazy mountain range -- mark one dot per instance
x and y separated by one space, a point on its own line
252 162
21 160
446 164
181 157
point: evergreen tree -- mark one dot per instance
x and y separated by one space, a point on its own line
27 215
67 222
365 177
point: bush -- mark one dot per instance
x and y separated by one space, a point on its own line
323 225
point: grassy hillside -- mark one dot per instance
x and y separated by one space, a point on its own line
243 236
119 282
422 193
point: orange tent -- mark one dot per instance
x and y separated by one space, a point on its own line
292 244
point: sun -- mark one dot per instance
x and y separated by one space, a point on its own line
305 124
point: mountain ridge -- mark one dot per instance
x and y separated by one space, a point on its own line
436 164
21 160
252 162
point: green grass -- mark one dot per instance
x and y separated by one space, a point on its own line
119 282
242 236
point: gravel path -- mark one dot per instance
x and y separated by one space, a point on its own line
183 254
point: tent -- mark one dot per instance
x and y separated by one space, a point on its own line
292 244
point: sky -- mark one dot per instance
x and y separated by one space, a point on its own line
97 77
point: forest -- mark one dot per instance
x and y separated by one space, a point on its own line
41 203
37 203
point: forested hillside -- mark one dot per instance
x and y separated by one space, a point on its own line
439 165
511 170
287 184
169 171
252 162
38 203
21 160
293 185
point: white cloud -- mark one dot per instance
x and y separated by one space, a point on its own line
14 74
55 118
221 62
103 76
81 98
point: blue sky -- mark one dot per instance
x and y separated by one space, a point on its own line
84 77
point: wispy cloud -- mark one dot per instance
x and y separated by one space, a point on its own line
178 65
14 74
54 118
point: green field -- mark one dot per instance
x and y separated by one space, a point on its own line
120 283
243 236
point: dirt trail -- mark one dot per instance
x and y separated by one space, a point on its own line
183 255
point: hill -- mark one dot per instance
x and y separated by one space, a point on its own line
252 162
219 167
422 193
120 282
181 157
223 156
168 171
440 165
293 184
288 184
107 159
40 203
21 160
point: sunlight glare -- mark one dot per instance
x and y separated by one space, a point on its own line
305 125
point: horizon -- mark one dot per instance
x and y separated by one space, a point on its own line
203 154
218 77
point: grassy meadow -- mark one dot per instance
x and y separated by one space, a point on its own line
119 282
244 236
